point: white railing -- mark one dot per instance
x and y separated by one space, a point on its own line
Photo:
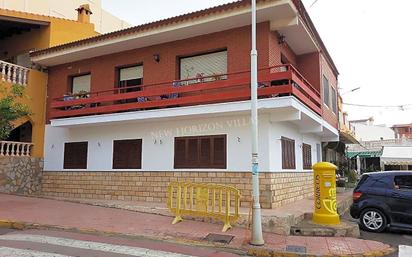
13 73
9 148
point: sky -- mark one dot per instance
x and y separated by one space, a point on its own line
369 40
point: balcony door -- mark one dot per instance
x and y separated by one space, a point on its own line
130 78
81 84
201 67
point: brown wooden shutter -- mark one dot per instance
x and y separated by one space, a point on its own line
127 154
205 153
307 156
288 153
200 152
180 152
219 152
75 155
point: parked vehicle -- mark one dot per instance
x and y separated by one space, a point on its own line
383 199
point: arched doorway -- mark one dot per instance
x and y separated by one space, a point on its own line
22 133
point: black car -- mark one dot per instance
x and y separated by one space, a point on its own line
382 199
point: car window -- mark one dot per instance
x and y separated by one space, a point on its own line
381 183
403 182
363 179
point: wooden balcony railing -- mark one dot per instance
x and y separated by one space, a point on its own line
13 73
8 148
277 81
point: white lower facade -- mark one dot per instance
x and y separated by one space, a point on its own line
158 129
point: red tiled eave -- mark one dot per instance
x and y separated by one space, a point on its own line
190 16
148 26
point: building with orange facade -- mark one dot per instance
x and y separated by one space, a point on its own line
20 34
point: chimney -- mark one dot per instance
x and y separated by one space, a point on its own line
83 13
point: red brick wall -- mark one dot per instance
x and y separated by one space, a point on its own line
326 71
309 66
236 41
276 50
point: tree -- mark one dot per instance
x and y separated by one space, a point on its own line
11 108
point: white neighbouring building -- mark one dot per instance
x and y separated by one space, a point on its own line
104 21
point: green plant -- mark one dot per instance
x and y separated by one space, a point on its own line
352 176
11 108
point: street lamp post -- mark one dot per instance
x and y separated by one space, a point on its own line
257 236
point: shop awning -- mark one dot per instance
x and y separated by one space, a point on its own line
397 155
364 154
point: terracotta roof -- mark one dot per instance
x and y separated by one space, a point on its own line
308 21
190 16
148 26
402 125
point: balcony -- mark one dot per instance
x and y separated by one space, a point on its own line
8 148
277 81
13 73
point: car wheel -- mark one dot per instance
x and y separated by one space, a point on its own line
373 220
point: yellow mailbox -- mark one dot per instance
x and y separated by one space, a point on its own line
325 194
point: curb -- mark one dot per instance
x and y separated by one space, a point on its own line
265 252
251 251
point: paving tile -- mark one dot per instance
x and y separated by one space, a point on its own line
338 246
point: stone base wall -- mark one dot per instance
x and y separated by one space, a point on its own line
20 175
276 189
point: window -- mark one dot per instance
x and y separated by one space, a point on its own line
127 154
404 182
326 98
334 101
204 65
75 155
307 156
200 152
81 83
288 153
131 76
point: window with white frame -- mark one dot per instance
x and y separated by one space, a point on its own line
205 67
81 84
131 76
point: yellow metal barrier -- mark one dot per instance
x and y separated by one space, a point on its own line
204 200
325 194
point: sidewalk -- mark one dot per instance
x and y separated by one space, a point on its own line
61 214
278 221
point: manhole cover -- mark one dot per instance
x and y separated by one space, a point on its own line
295 249
218 238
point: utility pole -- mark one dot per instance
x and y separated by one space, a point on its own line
257 236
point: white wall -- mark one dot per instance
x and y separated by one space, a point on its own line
289 130
104 21
373 132
158 142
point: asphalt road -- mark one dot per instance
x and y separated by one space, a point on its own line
391 237
48 243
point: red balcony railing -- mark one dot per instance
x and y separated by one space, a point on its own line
275 81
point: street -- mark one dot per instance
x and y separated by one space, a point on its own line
47 243
391 237
394 238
